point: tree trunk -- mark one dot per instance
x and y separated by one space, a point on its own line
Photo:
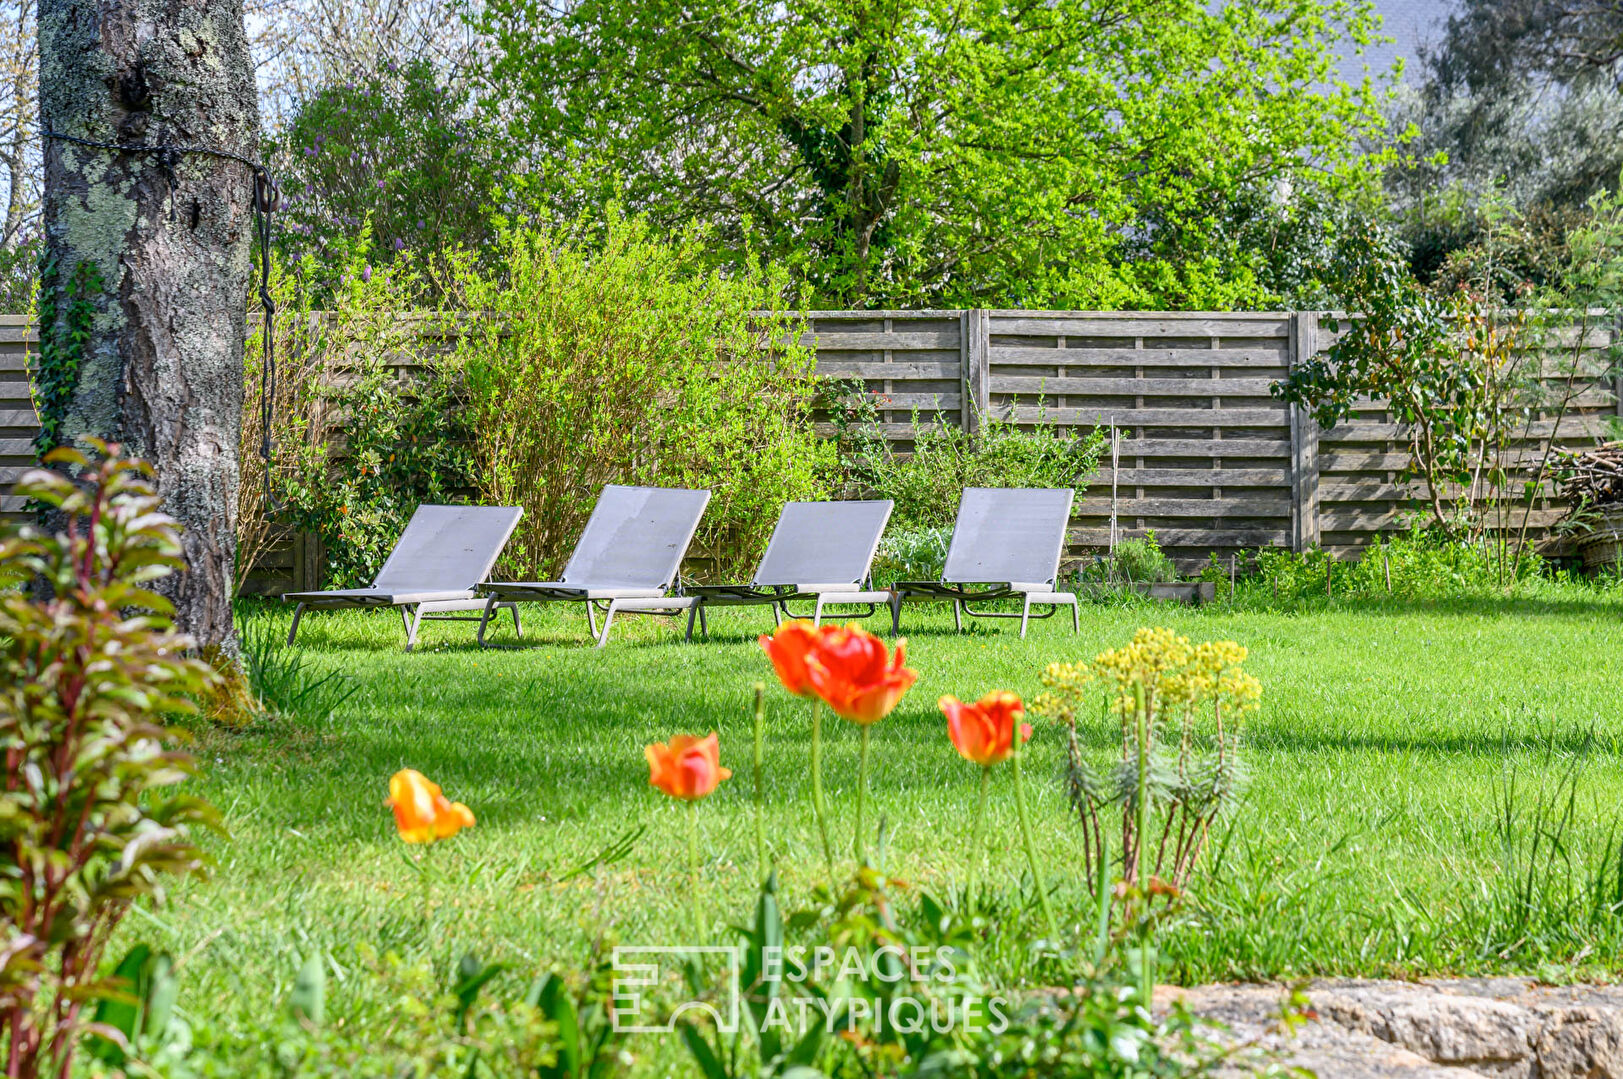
160 368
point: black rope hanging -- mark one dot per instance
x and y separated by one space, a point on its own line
267 200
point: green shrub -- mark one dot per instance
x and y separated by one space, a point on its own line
926 483
631 363
86 824
911 554
1422 564
1141 559
359 444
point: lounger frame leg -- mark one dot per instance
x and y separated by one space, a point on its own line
518 630
293 630
591 617
817 612
1025 616
608 620
416 623
484 618
958 615
693 613
895 613
405 620
1076 617
704 620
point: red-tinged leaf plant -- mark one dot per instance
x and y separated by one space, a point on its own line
90 667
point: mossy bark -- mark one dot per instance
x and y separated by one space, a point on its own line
162 369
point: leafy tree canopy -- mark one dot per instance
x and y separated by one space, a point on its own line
1067 153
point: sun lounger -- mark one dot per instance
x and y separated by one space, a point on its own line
442 554
1006 544
820 553
630 553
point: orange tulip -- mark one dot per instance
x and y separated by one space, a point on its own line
788 647
983 732
850 670
687 767
421 812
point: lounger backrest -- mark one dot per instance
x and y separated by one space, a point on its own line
823 543
636 537
1008 534
445 548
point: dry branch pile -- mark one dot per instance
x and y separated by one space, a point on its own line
1595 476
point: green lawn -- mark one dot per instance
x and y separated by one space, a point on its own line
1367 843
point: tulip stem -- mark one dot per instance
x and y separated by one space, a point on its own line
760 782
977 828
1025 840
693 869
862 791
818 810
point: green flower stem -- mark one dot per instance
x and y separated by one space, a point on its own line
862 793
818 809
760 780
1031 851
693 869
977 828
1142 803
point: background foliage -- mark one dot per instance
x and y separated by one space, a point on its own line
632 363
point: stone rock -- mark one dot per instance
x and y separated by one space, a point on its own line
1507 1028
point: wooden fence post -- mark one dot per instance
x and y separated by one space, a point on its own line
1304 331
976 355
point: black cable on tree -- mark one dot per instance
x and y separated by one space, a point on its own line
267 200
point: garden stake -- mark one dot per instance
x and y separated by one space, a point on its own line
817 788
1232 564
862 791
1386 566
1025 840
1329 570
760 786
976 827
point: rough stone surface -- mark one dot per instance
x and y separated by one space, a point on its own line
1510 1028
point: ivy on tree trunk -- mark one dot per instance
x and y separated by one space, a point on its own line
160 368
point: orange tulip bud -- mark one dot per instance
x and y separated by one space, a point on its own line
983 732
788 647
687 767
850 670
421 812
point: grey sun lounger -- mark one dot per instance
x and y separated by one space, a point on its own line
629 554
1006 544
442 554
820 552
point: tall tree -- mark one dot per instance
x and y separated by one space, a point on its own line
1059 152
144 287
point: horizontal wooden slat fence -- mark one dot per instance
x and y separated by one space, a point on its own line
1207 457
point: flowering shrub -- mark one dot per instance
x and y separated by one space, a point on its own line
358 443
87 823
1178 705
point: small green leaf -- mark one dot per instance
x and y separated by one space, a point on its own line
308 999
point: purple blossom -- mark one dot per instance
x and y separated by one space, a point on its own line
366 273
380 185
399 244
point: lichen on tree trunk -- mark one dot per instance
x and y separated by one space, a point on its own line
162 369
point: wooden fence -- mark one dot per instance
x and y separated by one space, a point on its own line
1207 458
